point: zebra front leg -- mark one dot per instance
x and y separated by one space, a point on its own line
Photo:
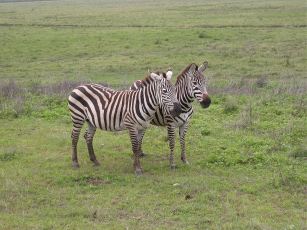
140 139
182 132
77 125
135 148
88 136
171 139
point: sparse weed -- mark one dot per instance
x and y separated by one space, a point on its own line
299 152
246 119
227 160
230 105
287 60
289 179
202 35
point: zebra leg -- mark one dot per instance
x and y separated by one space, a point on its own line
135 148
140 139
171 139
74 142
182 131
88 136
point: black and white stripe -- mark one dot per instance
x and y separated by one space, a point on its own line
190 85
113 110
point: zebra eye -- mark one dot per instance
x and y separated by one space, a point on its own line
164 90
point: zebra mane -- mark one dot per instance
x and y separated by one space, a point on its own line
143 83
183 74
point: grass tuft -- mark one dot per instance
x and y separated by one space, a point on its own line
299 152
158 42
261 82
205 132
9 154
246 119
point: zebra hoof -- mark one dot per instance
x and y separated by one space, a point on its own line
75 165
96 163
138 172
184 161
173 166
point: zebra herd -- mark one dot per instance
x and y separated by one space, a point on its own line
152 100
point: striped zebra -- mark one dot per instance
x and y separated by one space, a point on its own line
113 110
191 84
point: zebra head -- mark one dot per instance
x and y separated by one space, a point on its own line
166 92
198 84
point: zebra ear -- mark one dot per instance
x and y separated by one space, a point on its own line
203 67
192 69
169 74
156 77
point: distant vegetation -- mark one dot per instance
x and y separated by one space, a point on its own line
247 150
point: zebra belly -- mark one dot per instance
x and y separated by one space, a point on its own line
180 120
105 119
164 120
110 121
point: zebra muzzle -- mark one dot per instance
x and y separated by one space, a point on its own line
205 103
176 110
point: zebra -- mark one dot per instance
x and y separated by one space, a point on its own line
114 110
191 84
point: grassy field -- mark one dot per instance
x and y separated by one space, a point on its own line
247 151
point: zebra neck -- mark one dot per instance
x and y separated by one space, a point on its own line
147 101
184 97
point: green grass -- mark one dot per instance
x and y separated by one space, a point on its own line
247 151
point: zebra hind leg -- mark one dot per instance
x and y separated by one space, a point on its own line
74 142
88 136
